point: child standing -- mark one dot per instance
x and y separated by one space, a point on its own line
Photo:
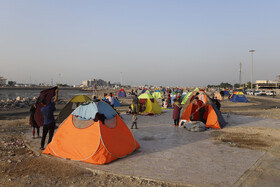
134 121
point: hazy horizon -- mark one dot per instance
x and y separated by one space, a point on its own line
168 43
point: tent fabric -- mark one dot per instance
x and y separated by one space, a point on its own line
214 118
226 92
46 94
121 93
88 111
98 143
157 94
218 96
186 97
152 106
238 97
71 106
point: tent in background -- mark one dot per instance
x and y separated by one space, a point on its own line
238 97
151 105
157 94
71 106
121 93
86 136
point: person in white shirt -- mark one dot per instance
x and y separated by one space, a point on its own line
111 100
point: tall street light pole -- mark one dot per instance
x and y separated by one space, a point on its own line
252 51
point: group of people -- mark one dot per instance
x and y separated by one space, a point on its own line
49 107
49 125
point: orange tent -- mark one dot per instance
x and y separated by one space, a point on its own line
214 118
83 136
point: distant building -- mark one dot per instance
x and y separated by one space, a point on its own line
2 81
99 83
268 84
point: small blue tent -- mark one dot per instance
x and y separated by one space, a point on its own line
121 93
239 97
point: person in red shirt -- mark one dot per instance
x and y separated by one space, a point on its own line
200 108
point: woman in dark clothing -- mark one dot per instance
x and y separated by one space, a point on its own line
176 113
33 123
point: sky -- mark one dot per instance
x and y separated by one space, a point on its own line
154 42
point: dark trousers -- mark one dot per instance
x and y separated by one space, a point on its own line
134 123
176 121
201 114
49 128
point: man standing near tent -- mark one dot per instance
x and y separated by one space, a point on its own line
200 108
111 100
135 104
49 121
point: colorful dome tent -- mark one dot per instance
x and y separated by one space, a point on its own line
121 93
81 138
186 97
144 90
238 97
214 118
151 105
226 92
157 94
116 101
71 106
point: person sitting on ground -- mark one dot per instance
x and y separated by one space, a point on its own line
200 108
49 121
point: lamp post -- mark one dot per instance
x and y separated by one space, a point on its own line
252 51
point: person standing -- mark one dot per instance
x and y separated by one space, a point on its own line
33 123
134 121
135 104
49 121
176 113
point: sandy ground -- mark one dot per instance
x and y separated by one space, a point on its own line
19 166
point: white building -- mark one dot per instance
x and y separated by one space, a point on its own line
2 81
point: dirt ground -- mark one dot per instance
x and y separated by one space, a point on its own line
19 166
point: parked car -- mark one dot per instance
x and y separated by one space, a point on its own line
257 93
250 92
262 92
270 93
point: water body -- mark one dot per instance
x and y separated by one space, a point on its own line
12 94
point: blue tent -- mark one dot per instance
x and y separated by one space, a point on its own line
163 90
238 97
121 93
226 92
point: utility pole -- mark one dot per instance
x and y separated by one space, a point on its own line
121 79
252 52
240 71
